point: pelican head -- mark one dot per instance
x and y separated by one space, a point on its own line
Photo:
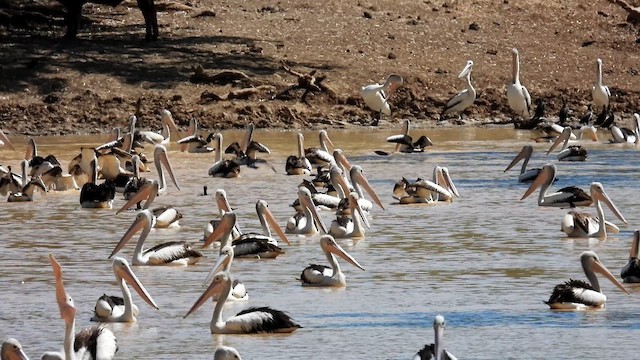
12 350
144 219
223 230
226 353
147 192
220 281
304 195
356 210
123 271
160 156
546 176
167 118
564 137
325 140
591 264
438 327
329 245
267 220
597 192
467 70
357 176
224 260
64 300
525 154
4 140
442 178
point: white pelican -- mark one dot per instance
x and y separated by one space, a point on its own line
360 185
198 143
226 353
298 165
404 142
376 96
248 321
441 189
223 207
93 195
436 350
161 160
247 245
577 224
223 168
27 191
631 271
306 222
599 92
123 309
526 175
247 146
164 216
56 180
517 94
96 342
4 141
573 152
569 196
12 350
465 98
169 253
321 275
164 136
579 295
320 156
238 291
350 226
626 135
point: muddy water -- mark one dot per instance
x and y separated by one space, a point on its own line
486 262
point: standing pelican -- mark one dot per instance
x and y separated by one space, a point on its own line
465 98
577 224
238 291
321 275
12 350
169 253
127 311
4 141
599 92
631 272
436 350
96 342
579 295
298 165
248 321
164 216
223 168
307 221
517 94
526 175
376 96
573 152
569 196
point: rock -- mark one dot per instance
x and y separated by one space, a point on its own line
367 15
391 56
474 26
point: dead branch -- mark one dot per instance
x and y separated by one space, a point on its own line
634 12
225 77
240 94
307 82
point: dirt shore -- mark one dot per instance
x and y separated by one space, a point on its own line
51 86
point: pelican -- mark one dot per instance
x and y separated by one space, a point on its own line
569 196
55 179
307 221
223 207
96 342
10 183
350 226
247 146
517 94
197 143
573 152
436 350
93 195
12 350
576 224
525 175
247 245
360 185
248 321
626 135
27 191
321 156
465 98
126 312
169 253
164 137
164 216
599 92
226 353
4 141
376 96
223 168
404 142
238 291
631 272
321 275
579 295
441 189
298 165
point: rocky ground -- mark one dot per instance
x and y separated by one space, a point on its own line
225 62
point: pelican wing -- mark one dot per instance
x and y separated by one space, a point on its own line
261 320
170 251
401 139
575 291
314 274
427 353
255 246
527 98
96 340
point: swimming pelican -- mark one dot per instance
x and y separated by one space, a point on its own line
223 168
631 272
569 196
161 160
164 136
436 350
127 311
626 135
248 321
169 253
223 207
360 185
579 295
4 141
577 224
96 342
573 152
10 183
376 96
599 92
441 189
306 222
465 98
27 191
321 275
298 165
517 94
404 142
12 350
320 156
525 175
247 146
238 291
164 216
55 179
350 226
226 353
93 195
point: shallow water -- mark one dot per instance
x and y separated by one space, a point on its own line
486 262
